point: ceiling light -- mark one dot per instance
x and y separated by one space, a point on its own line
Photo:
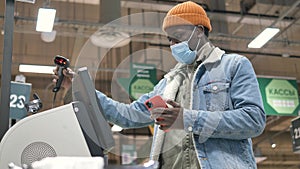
116 128
36 69
260 159
45 20
258 155
263 37
48 36
285 55
28 1
273 145
110 39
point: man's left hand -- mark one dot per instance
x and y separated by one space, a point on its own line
169 118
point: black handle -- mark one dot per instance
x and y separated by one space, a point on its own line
60 79
62 63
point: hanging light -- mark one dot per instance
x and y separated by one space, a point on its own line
273 145
48 36
28 1
45 20
263 38
116 128
36 69
258 155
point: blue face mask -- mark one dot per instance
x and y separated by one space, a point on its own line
182 52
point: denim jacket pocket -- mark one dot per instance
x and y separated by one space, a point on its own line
216 96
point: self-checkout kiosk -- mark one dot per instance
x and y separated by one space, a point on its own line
76 129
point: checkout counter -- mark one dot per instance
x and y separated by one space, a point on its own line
75 130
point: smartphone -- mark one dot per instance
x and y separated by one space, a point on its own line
155 102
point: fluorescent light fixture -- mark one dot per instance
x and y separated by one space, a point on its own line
260 159
258 155
36 69
28 1
116 128
45 20
263 37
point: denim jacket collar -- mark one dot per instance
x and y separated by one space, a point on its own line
210 54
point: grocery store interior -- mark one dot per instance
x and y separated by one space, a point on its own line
84 31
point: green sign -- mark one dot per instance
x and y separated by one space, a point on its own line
140 87
280 96
19 92
142 79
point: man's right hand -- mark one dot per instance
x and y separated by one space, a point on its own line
68 73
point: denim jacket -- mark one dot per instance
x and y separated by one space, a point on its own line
226 112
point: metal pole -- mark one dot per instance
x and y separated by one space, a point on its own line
6 66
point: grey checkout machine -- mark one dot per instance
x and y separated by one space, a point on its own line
75 129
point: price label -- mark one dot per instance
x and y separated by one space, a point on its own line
19 94
295 132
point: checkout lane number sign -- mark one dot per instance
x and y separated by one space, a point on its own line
295 132
19 92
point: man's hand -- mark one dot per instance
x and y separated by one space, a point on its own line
68 73
168 118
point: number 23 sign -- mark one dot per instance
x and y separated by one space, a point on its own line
295 132
19 92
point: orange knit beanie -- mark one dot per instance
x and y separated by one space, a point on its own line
187 13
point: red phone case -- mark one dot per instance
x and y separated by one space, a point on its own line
155 102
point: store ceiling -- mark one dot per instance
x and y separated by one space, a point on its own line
235 24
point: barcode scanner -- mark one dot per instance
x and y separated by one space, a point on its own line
62 64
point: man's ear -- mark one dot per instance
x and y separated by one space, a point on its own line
200 31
